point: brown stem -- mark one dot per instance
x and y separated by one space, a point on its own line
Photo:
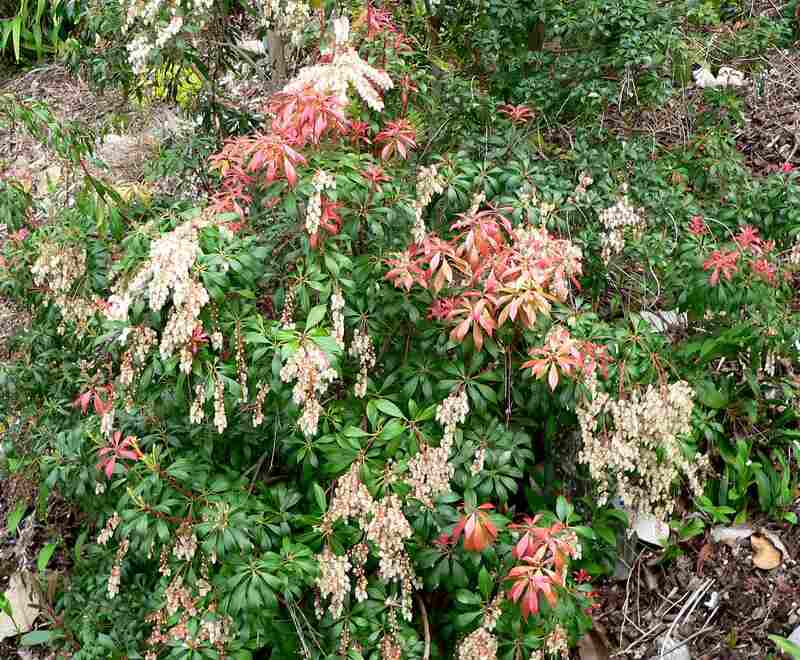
425 627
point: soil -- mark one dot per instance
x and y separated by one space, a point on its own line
712 597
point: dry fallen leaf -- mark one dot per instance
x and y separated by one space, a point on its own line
706 552
765 555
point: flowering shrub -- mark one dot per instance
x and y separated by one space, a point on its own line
321 412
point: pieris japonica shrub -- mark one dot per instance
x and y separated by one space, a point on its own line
317 413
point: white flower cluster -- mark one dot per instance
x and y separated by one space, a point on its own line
287 314
309 366
556 643
197 409
390 649
154 23
168 270
241 365
220 419
182 321
345 68
320 181
215 631
217 340
116 569
57 269
351 500
385 526
337 316
794 254
584 181
616 219
430 469
452 412
107 421
108 531
493 612
430 472
429 183
388 530
480 644
185 543
359 554
636 446
362 348
141 340
333 582
258 410
288 17
479 461
178 598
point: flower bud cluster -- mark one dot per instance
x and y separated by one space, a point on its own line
584 181
429 183
362 348
309 367
493 612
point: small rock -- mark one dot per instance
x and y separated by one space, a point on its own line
650 530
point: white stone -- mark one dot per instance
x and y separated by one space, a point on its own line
651 530
672 649
730 535
23 606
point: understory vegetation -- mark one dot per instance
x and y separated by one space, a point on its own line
409 323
